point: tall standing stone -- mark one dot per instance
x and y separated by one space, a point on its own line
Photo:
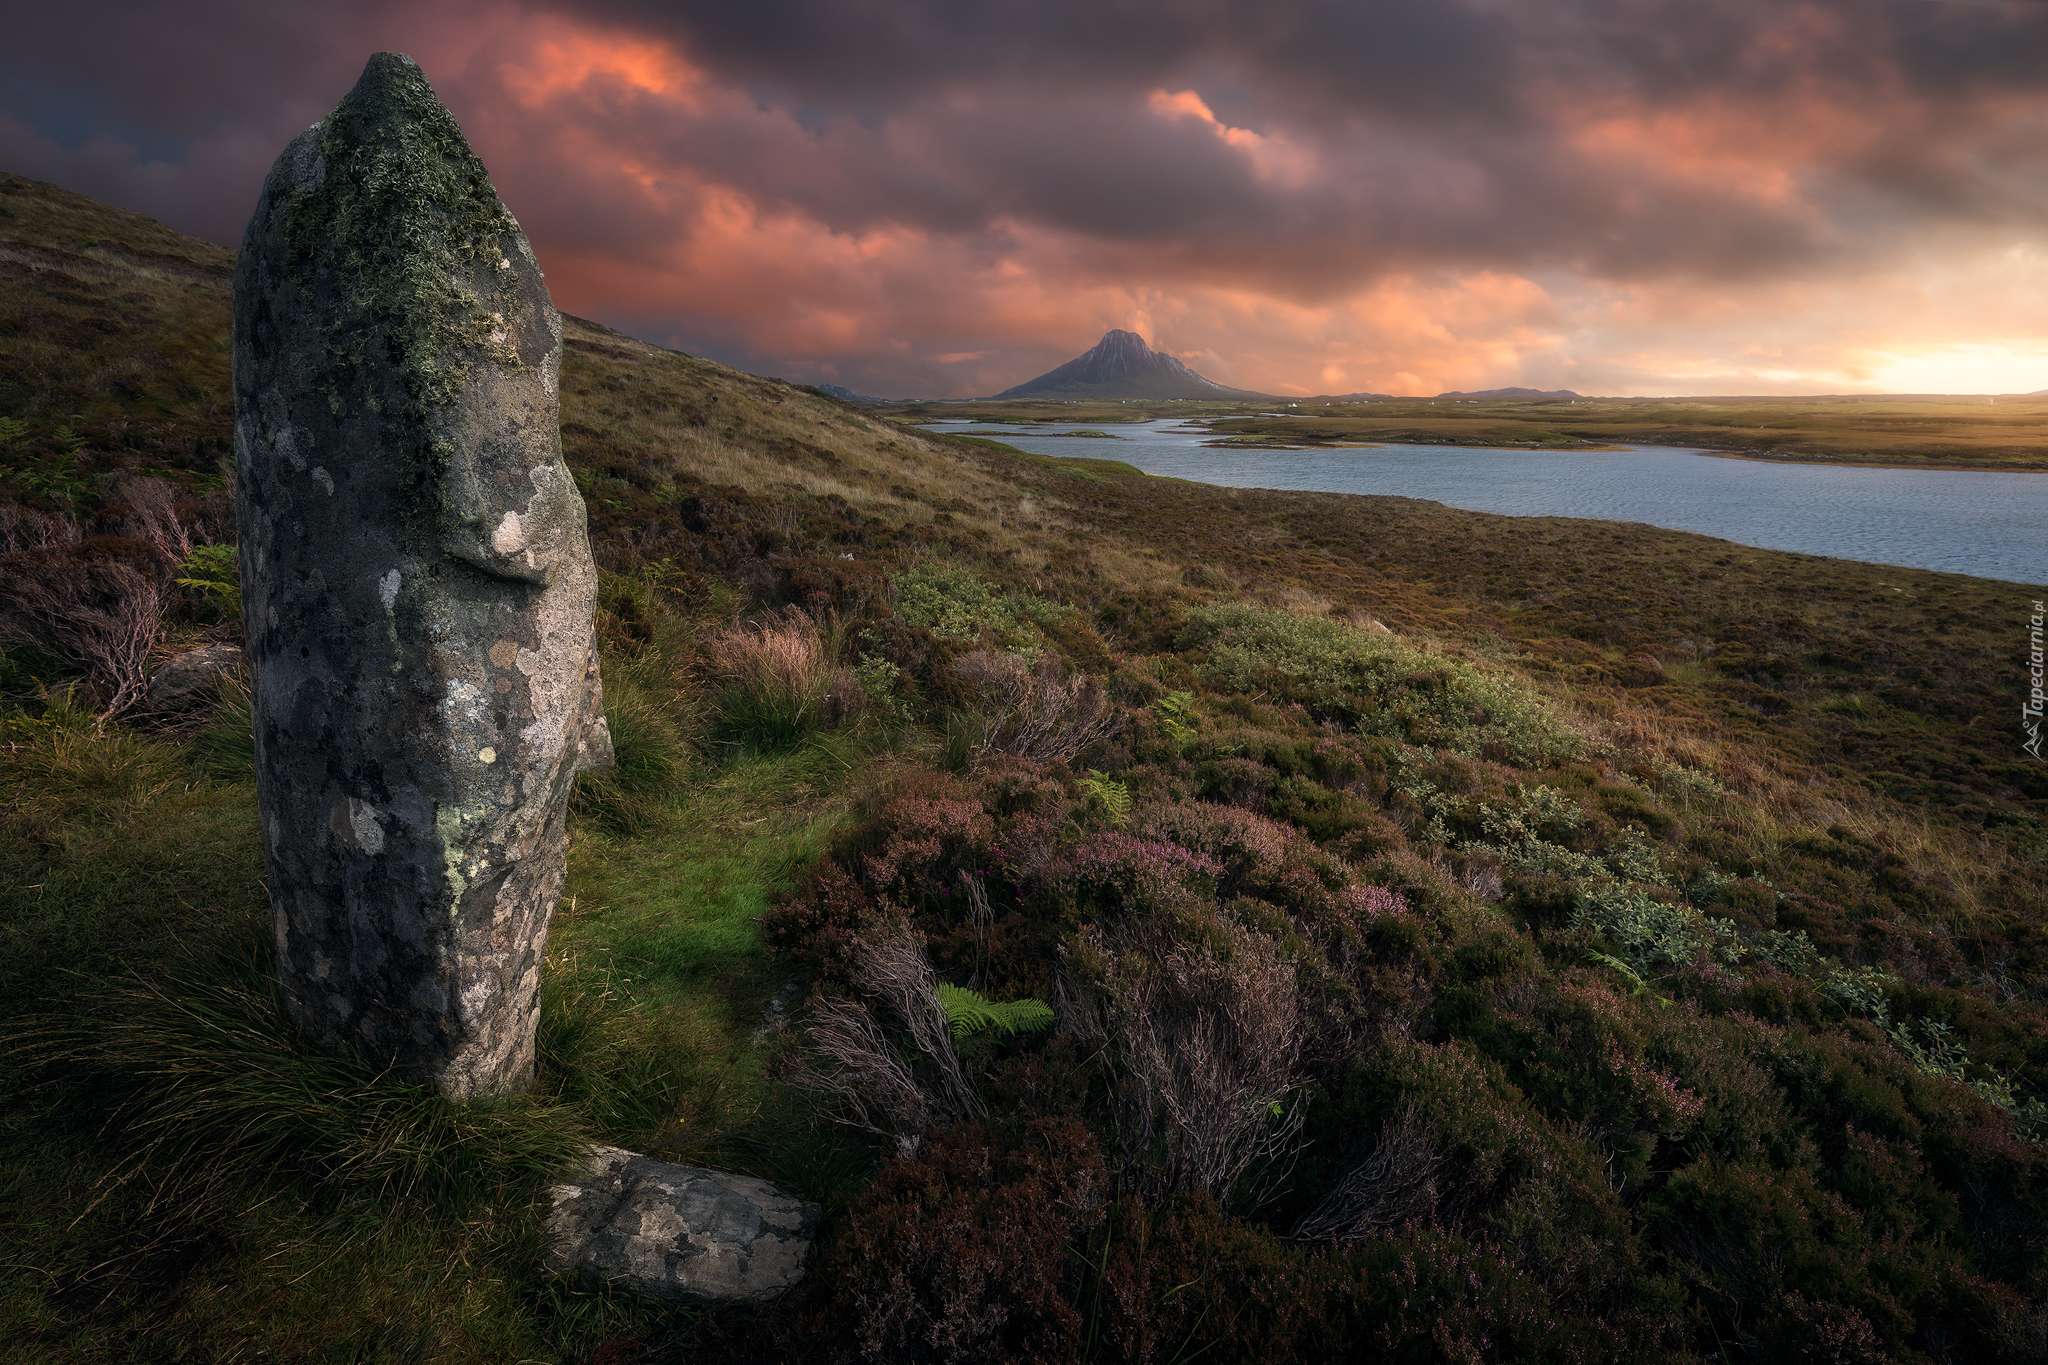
417 589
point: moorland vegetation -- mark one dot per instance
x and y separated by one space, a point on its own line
1158 922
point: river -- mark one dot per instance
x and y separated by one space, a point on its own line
1988 524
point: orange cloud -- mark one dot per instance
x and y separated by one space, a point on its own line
563 58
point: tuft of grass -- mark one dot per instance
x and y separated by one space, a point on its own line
776 681
223 745
217 1086
649 751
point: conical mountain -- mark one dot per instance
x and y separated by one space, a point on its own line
1121 365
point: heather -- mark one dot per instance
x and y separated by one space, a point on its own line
1158 922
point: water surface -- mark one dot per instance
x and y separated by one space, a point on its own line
1990 524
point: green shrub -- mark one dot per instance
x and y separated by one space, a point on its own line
1650 935
1175 713
969 1015
1860 990
1111 795
1377 683
214 572
1938 1052
954 603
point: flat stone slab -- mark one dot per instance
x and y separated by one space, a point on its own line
683 1234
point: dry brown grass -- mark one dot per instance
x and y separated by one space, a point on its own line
779 679
112 315
672 425
1909 432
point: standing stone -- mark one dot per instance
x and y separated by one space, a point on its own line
417 589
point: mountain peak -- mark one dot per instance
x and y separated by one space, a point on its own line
1122 365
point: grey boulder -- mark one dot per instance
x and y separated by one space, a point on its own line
192 678
683 1234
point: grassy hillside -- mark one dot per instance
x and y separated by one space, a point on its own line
1906 432
1458 936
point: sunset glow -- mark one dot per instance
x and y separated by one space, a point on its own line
1605 195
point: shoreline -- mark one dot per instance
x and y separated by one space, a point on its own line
1251 442
1760 457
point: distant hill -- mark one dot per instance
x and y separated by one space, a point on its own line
846 395
1514 393
1121 365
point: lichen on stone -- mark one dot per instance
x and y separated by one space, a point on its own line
411 210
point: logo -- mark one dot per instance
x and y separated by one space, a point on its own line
2037 697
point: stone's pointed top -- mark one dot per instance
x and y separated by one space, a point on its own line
392 91
387 226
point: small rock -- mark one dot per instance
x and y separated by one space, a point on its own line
683 1234
775 1014
189 679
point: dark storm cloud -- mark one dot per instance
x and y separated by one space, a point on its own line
182 107
929 179
1444 132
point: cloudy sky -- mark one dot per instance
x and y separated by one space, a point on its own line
946 197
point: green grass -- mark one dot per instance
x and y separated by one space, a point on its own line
676 911
222 1185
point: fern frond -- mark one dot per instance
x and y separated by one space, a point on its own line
1176 715
969 1012
1113 796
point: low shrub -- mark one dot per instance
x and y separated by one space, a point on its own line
1039 712
94 606
1650 934
956 604
1186 1283
963 1253
1200 1027
1376 683
884 1060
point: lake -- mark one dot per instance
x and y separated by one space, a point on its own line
1991 525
